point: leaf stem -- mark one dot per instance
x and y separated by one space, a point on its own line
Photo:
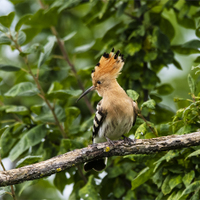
155 132
42 94
66 58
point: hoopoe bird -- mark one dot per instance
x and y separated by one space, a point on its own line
116 112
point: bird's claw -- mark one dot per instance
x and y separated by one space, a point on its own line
128 140
110 141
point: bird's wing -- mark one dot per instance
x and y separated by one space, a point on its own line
98 119
135 112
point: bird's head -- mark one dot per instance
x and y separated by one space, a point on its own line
105 73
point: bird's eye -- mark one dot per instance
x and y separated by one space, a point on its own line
99 82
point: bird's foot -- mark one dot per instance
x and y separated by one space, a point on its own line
128 140
110 141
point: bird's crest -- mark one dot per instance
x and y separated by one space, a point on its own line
109 65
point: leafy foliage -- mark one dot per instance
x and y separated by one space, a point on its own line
58 44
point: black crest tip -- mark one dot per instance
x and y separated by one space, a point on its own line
116 55
106 55
97 64
113 49
93 71
118 52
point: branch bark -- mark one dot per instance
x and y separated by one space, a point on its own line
78 156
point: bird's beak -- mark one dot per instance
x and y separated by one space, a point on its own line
86 92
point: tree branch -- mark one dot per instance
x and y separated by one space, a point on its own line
78 156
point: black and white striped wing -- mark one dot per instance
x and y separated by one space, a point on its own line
98 120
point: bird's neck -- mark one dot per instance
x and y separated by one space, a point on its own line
114 90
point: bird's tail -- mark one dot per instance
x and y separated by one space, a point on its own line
97 165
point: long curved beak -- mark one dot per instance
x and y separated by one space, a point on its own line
86 92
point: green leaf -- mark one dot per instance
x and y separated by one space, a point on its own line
158 177
5 190
177 64
90 190
161 40
25 185
119 188
174 181
133 48
60 181
84 48
72 113
7 20
43 18
130 195
69 36
4 39
150 56
150 79
6 142
22 89
121 8
133 94
140 31
165 89
32 49
187 179
21 110
196 195
149 104
165 186
37 109
191 84
141 131
47 50
142 177
156 98
63 94
197 32
30 33
21 38
195 153
31 138
22 20
68 4
9 68
47 115
185 51
167 28
186 22
65 146
191 188
114 172
193 44
175 195
3 28
28 160
167 157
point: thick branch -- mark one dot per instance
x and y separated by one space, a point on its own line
78 156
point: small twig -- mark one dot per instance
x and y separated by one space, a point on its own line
65 56
140 115
42 95
81 173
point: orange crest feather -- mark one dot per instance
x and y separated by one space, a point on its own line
109 65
